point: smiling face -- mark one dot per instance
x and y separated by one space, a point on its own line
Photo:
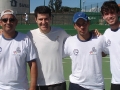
8 23
111 17
82 27
43 21
110 13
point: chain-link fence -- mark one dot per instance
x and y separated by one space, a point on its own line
93 11
64 18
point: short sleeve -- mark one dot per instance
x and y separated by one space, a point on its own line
31 53
66 47
105 48
65 36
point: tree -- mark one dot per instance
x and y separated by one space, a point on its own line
65 9
55 5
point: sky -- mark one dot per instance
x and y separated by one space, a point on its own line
69 3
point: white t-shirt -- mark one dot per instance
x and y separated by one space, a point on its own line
113 44
14 55
86 61
49 47
26 17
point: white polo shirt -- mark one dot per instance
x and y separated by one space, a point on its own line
86 61
14 55
113 44
49 47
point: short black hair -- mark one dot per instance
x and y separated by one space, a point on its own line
42 10
109 6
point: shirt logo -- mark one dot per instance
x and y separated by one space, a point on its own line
75 51
108 43
17 50
94 51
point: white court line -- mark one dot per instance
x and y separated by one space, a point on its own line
103 60
107 78
103 57
106 61
106 57
104 78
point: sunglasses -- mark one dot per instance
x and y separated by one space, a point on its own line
10 20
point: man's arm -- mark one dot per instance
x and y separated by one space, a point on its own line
33 74
0 31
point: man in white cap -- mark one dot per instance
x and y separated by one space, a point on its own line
16 50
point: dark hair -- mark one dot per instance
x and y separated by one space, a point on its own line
42 10
110 6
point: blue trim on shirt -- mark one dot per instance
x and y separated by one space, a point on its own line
85 40
16 33
114 30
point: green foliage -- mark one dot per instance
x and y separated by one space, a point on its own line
65 9
55 5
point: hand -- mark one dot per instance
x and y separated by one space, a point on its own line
103 54
96 32
0 31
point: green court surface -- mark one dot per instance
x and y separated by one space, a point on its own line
69 28
67 62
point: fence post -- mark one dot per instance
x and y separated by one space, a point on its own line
85 8
21 19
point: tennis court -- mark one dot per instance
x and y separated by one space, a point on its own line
69 28
67 62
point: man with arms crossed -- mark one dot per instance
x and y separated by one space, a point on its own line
85 51
110 13
16 50
49 45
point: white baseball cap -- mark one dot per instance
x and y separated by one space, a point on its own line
8 11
